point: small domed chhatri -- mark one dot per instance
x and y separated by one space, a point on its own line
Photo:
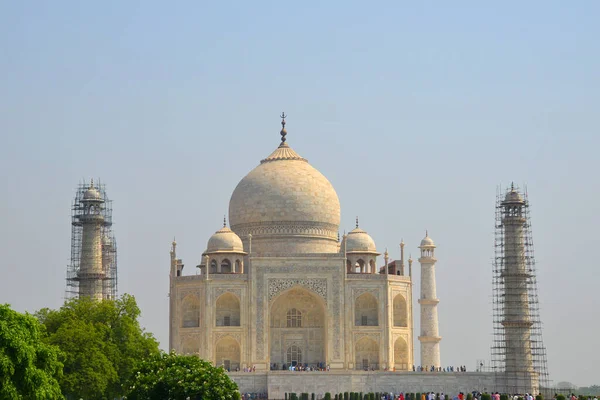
513 196
92 193
427 241
359 241
224 240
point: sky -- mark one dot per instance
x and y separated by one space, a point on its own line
415 112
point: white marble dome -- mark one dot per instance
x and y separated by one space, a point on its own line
285 198
224 240
359 241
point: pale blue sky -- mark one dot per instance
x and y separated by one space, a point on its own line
415 112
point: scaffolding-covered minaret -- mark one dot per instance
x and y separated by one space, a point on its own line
93 269
518 352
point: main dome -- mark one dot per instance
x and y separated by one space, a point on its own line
287 205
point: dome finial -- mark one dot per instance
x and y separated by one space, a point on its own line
224 221
91 183
283 131
426 233
357 221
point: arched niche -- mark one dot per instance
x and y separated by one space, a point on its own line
366 310
190 347
227 310
400 311
400 354
297 318
190 312
227 353
366 353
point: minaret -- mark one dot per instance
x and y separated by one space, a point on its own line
429 338
91 273
175 271
515 275
401 269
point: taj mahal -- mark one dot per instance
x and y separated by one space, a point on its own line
279 288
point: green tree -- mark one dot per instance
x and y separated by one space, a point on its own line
177 377
102 342
29 368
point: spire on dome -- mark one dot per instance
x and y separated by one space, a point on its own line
91 183
283 131
357 221
284 151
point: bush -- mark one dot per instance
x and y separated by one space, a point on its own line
346 397
485 396
539 397
469 396
176 376
560 397
503 397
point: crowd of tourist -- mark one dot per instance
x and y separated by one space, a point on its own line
428 368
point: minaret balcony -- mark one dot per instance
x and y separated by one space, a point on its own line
432 302
434 339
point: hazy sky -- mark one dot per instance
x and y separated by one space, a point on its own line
415 113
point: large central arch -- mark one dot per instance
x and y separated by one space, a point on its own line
297 333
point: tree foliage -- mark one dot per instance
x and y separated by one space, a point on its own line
102 342
29 369
177 377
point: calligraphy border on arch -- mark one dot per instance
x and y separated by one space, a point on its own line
218 291
316 285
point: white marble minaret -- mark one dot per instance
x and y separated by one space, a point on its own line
429 337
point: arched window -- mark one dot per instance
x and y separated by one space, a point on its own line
294 318
400 311
213 267
372 266
294 355
348 266
190 347
365 310
228 310
190 312
225 266
238 267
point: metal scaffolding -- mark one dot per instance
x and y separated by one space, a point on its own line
518 352
106 239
